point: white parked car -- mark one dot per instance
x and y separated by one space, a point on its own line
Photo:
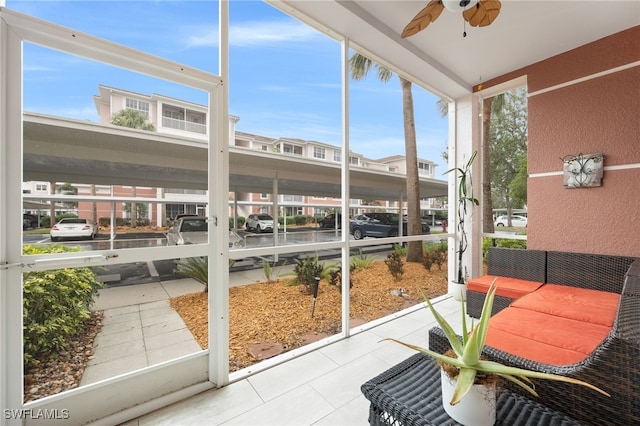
516 221
259 223
194 230
73 228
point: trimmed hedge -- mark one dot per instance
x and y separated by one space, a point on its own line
56 305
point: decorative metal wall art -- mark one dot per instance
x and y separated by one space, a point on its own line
582 171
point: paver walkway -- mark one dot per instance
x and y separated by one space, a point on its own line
139 329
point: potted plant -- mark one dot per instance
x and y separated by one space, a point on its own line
466 201
466 368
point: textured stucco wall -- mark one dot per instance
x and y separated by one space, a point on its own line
600 114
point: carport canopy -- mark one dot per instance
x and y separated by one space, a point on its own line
64 150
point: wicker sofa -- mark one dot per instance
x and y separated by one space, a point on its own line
614 364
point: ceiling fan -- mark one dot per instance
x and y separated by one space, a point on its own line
478 13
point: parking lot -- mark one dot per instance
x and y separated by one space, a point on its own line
163 270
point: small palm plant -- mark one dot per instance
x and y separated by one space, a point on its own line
468 353
196 268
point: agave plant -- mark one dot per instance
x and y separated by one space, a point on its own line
468 353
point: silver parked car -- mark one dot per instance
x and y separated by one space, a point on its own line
194 230
73 228
259 222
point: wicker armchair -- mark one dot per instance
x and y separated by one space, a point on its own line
508 262
614 366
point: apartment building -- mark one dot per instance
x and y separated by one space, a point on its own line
185 119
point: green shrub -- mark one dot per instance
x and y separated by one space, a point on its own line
296 220
335 277
240 220
434 254
307 269
121 221
395 265
360 261
56 304
400 250
45 221
501 242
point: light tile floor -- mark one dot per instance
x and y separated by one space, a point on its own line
318 388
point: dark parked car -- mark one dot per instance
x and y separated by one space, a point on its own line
379 225
29 221
329 221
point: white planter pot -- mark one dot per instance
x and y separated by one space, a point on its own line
458 291
476 408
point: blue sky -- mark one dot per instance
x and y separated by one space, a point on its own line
285 76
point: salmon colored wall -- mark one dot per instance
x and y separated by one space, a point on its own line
601 114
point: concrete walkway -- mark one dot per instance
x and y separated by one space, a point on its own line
140 329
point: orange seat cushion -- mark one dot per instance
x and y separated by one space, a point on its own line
543 337
593 306
512 288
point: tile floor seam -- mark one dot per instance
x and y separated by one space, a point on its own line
319 392
144 338
230 420
336 409
254 389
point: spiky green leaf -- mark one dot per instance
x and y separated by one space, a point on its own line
464 382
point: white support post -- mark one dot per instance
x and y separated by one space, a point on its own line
218 188
346 251
11 347
465 132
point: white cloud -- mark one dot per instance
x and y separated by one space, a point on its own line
255 33
38 68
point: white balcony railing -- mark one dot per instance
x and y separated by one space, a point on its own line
187 126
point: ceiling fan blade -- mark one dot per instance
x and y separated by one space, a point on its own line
482 14
422 20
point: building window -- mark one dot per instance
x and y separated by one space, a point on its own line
264 196
176 114
292 198
264 147
318 152
293 211
287 148
42 187
337 155
354 161
138 105
423 168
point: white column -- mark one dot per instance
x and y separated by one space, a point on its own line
218 190
464 138
11 347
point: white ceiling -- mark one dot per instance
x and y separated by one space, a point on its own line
442 60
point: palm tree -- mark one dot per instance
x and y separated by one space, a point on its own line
490 106
134 119
360 66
